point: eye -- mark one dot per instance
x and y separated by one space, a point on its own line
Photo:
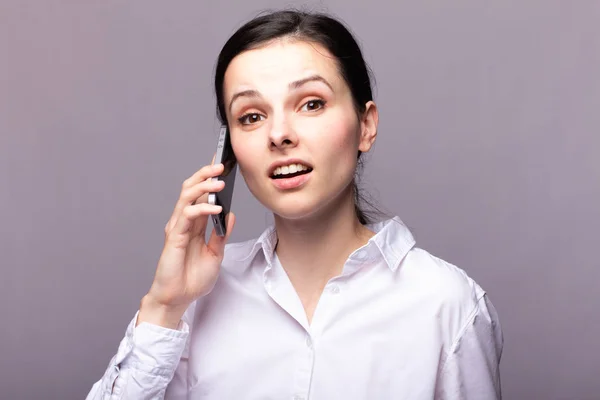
250 118
313 105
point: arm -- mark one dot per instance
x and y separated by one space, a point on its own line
152 353
150 361
471 367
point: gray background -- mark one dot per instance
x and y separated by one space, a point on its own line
488 149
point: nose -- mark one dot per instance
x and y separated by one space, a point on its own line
282 135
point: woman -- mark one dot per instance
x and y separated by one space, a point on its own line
324 305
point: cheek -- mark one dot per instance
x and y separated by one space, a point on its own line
342 135
245 152
337 148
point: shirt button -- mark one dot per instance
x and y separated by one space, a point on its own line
361 255
335 289
308 342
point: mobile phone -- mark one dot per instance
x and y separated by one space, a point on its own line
223 198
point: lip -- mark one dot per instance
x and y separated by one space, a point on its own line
291 183
289 161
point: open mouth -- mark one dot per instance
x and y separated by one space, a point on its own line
291 175
290 171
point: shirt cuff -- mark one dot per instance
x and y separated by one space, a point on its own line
152 348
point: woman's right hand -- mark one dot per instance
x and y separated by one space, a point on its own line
189 265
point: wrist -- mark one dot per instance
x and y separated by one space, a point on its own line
159 314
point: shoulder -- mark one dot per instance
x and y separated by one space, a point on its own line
438 274
430 263
444 287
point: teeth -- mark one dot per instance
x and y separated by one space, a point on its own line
289 169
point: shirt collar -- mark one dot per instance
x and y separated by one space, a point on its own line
392 241
266 241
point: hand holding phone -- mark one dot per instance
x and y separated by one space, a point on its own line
187 252
223 198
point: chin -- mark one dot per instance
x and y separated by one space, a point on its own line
302 208
293 212
299 205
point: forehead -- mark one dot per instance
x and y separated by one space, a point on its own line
279 63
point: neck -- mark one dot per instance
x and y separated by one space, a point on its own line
314 250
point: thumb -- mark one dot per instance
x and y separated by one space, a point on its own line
216 244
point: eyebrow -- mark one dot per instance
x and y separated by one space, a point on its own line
292 86
243 93
313 78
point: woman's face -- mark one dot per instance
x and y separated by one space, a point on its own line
294 128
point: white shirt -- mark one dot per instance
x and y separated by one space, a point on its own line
398 323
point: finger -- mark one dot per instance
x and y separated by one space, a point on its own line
193 214
203 174
194 195
202 199
212 163
230 222
216 244
199 193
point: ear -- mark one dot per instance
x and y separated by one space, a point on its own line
368 127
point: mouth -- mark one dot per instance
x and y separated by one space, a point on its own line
290 171
291 176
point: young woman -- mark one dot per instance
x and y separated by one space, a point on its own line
324 304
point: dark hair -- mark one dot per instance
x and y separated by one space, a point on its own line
312 27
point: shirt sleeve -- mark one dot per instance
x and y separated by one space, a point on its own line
145 363
471 370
